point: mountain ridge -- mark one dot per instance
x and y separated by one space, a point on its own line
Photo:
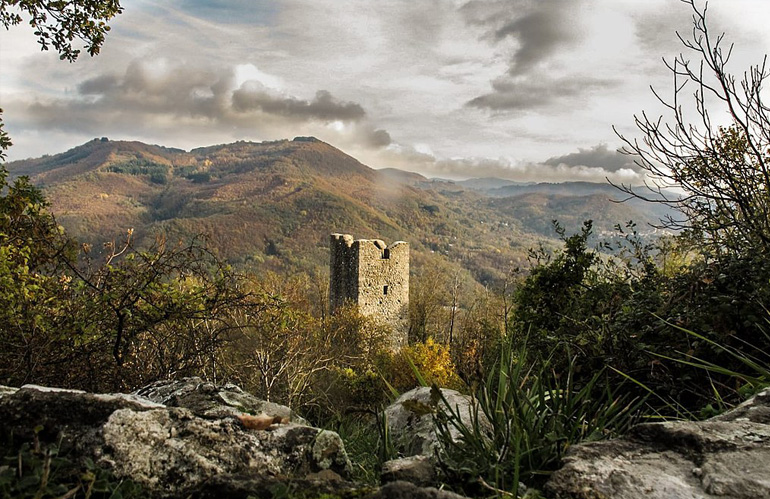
272 205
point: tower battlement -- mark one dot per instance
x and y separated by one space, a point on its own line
374 276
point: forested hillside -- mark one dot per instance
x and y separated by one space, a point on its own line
273 205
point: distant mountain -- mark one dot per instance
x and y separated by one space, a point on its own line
272 205
488 184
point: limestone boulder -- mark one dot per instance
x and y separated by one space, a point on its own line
725 457
49 412
172 451
417 470
406 490
410 419
412 430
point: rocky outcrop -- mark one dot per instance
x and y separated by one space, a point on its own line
186 439
175 451
413 432
724 457
418 470
410 419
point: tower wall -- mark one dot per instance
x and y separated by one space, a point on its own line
375 277
343 271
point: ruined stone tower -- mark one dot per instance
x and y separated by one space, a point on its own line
373 276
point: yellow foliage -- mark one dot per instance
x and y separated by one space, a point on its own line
432 360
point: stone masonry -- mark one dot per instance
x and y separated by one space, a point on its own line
374 276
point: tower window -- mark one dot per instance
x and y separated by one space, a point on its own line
386 254
385 289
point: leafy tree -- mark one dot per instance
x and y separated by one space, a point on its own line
427 301
57 24
716 172
723 169
131 300
33 250
115 320
556 287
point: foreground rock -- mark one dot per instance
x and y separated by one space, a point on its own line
171 451
185 439
410 419
413 433
724 457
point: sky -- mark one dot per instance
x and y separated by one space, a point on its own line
526 90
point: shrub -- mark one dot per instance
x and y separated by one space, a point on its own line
430 359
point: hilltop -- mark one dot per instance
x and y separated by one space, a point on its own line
272 205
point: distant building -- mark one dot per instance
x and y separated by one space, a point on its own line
374 276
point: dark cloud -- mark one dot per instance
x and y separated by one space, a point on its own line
157 88
656 29
540 31
162 96
527 93
539 27
378 138
324 107
539 34
598 156
99 85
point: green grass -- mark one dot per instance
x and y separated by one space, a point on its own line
362 443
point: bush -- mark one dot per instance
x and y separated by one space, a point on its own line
617 311
430 359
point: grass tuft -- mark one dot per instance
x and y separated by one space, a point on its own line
524 419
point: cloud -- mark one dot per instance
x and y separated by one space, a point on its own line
541 40
538 29
158 87
184 105
98 85
251 96
598 156
378 138
539 34
411 159
150 88
527 93
160 94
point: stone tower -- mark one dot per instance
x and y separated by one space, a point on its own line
373 276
